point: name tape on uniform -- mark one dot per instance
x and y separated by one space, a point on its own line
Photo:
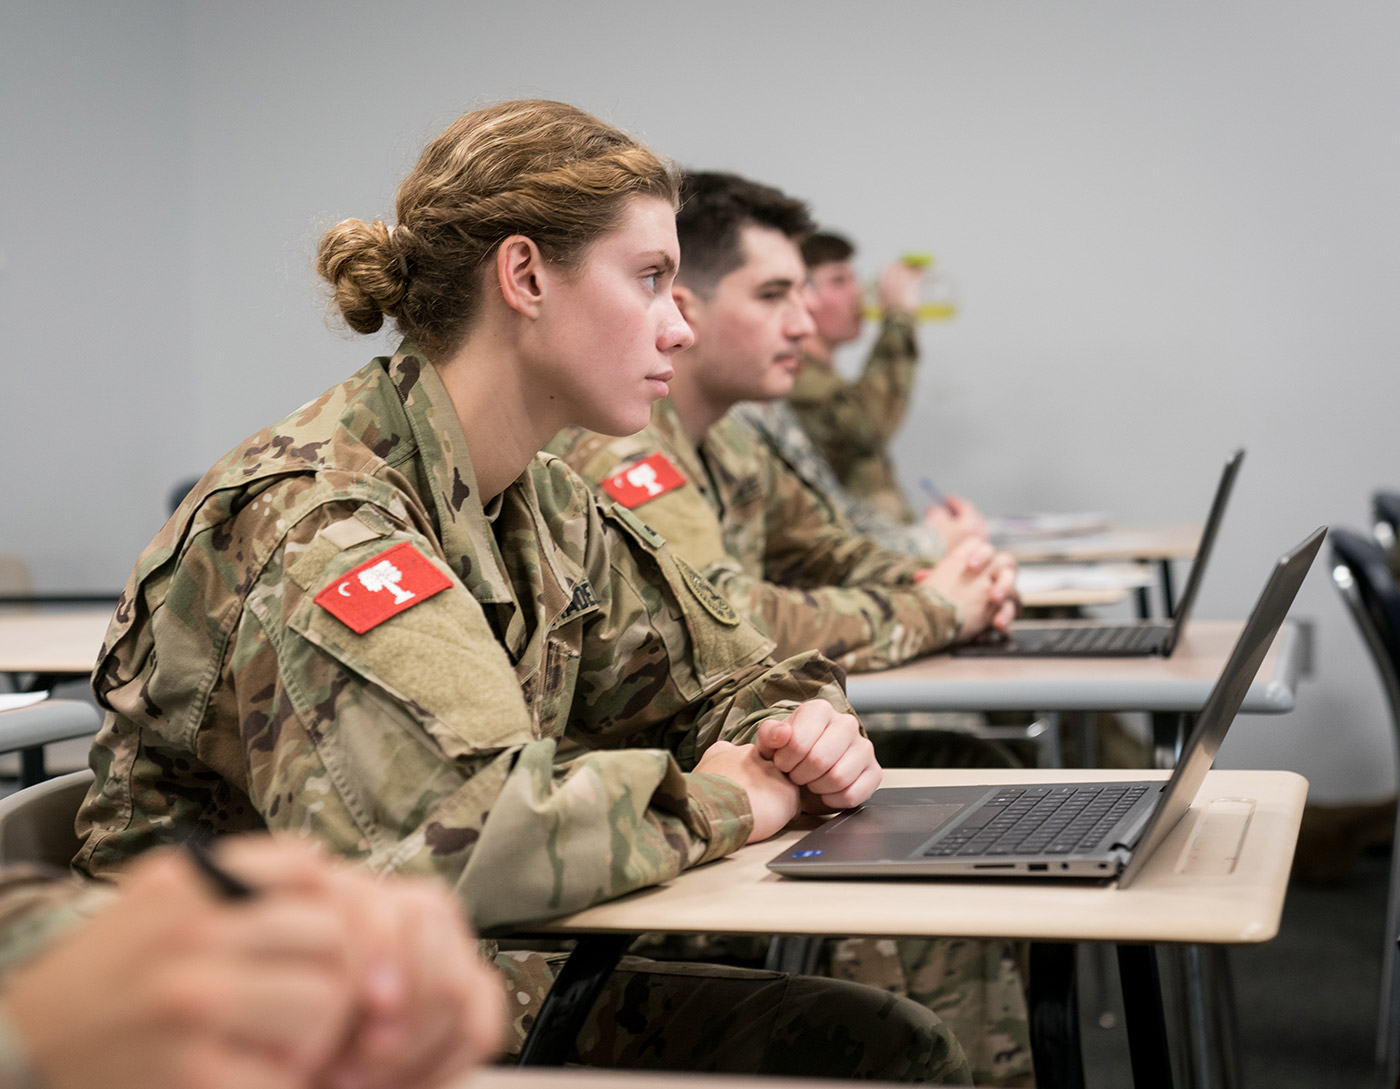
393 581
644 481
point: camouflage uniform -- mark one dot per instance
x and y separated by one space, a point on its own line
793 565
851 423
787 559
35 908
776 424
525 733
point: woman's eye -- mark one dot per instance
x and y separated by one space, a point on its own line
651 279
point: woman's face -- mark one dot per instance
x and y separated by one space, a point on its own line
609 326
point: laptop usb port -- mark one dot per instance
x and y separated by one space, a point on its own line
1038 867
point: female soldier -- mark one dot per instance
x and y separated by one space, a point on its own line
385 622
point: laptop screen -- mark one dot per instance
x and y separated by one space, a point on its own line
1203 550
1225 698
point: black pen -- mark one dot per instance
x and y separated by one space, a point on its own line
933 493
225 884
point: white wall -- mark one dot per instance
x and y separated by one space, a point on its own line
94 296
1173 226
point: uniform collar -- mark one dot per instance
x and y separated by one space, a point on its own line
666 422
464 527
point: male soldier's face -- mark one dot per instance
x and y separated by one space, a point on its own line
834 298
603 352
747 330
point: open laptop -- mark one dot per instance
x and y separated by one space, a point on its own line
1115 639
1089 830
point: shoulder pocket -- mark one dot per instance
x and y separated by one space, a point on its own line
438 659
721 641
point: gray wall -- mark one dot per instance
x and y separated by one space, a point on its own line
1173 227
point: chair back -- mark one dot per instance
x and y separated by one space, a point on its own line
1385 519
1362 574
42 723
36 823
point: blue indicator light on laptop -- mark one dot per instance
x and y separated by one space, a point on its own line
807 854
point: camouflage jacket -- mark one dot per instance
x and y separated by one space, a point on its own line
36 907
786 558
523 732
776 426
852 423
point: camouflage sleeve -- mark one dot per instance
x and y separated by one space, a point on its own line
856 419
792 567
822 587
36 907
807 544
412 748
861 628
15 1069
913 539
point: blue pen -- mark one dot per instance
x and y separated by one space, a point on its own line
933 493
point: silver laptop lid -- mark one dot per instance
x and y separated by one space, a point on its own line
1225 698
1203 550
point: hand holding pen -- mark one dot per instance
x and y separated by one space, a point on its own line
952 517
263 964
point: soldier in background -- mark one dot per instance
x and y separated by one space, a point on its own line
851 423
785 558
792 563
386 623
326 976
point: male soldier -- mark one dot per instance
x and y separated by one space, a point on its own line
852 423
786 559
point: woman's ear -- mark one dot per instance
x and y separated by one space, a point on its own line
518 267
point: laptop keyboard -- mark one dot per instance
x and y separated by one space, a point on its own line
1049 820
1089 639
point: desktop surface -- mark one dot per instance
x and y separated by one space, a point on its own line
1179 683
1181 896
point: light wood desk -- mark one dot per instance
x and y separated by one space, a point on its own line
56 642
1079 585
44 644
1179 898
1143 543
1147 544
1179 684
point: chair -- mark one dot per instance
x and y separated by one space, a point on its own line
29 728
36 823
1385 518
1361 572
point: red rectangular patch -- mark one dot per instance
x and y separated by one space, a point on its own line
643 481
396 579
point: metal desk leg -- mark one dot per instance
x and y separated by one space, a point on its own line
1055 1044
1168 598
571 998
1209 1051
793 955
1169 730
31 766
1144 1016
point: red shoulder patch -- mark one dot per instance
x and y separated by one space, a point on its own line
643 481
393 581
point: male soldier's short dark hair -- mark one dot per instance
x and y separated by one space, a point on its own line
714 208
824 247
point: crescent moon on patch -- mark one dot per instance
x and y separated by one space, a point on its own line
343 589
